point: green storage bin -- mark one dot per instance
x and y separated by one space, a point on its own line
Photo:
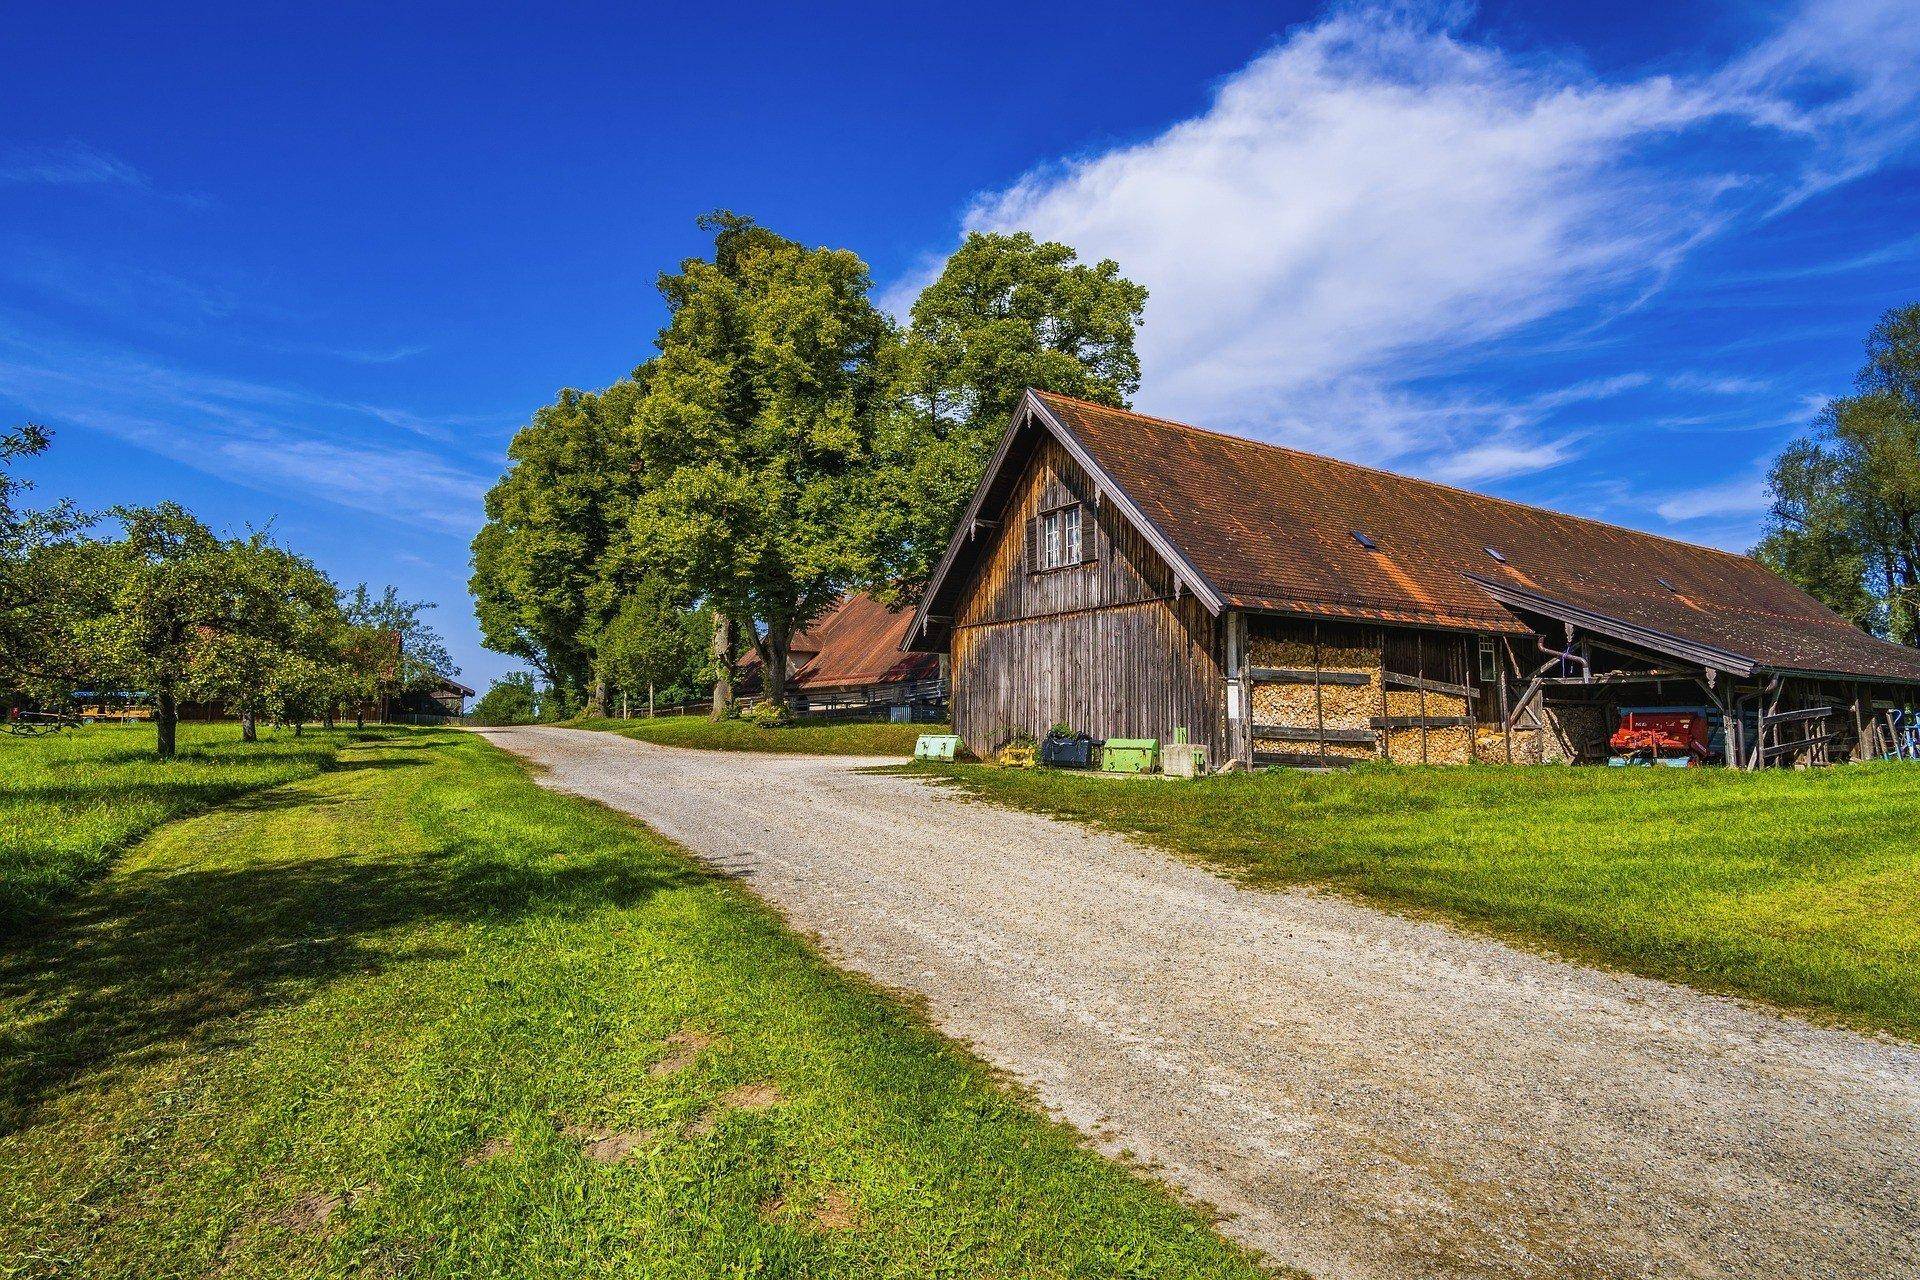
936 746
1130 755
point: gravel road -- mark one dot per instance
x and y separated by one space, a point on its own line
1364 1095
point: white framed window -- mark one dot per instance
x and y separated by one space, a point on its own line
1057 542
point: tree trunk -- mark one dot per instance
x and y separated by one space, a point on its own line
166 723
298 726
649 699
597 700
249 731
778 640
723 636
359 715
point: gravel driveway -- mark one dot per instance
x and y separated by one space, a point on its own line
1363 1094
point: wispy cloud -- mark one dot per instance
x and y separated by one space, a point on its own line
1369 203
1744 497
78 165
277 439
1718 385
71 164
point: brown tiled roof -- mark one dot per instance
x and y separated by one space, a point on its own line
1272 529
858 644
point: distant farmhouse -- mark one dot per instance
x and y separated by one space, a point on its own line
854 659
1131 577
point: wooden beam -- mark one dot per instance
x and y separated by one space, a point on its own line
1307 733
1621 677
1426 686
1300 760
1420 722
1300 675
1804 713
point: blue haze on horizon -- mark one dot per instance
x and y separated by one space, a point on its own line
310 271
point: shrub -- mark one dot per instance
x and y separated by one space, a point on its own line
766 715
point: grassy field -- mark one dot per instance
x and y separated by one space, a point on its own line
415 1016
69 802
737 735
1799 888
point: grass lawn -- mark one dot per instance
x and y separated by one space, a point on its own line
69 802
1800 888
863 739
414 1016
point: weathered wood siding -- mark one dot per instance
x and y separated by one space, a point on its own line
1102 646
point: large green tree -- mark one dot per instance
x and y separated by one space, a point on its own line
45 577
555 524
757 433
1845 521
167 581
266 631
1006 313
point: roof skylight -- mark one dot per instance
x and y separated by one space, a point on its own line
1495 553
1365 541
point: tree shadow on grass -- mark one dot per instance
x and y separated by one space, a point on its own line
159 962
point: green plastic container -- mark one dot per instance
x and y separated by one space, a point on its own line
936 746
1130 755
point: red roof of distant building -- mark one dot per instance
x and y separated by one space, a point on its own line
858 645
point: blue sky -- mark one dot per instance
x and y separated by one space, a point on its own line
313 270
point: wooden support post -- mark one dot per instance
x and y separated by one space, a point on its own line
1386 739
1506 725
1420 673
1319 698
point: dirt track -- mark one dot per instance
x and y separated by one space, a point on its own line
1365 1095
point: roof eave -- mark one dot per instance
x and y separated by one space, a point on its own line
1702 655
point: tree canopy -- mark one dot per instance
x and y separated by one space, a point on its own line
757 432
786 444
1006 313
555 524
1845 521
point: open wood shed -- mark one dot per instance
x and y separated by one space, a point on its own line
1129 577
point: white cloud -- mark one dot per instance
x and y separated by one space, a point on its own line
1378 194
1746 497
1501 458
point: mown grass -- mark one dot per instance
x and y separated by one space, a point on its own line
858 739
1799 888
376 1021
69 802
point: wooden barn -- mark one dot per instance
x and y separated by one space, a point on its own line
1131 577
853 660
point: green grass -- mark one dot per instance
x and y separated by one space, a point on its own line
1799 888
389 991
862 739
69 802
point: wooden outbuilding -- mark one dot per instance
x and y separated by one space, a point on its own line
853 660
1129 576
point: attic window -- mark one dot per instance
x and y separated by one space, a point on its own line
1668 585
1365 541
1057 540
1495 553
